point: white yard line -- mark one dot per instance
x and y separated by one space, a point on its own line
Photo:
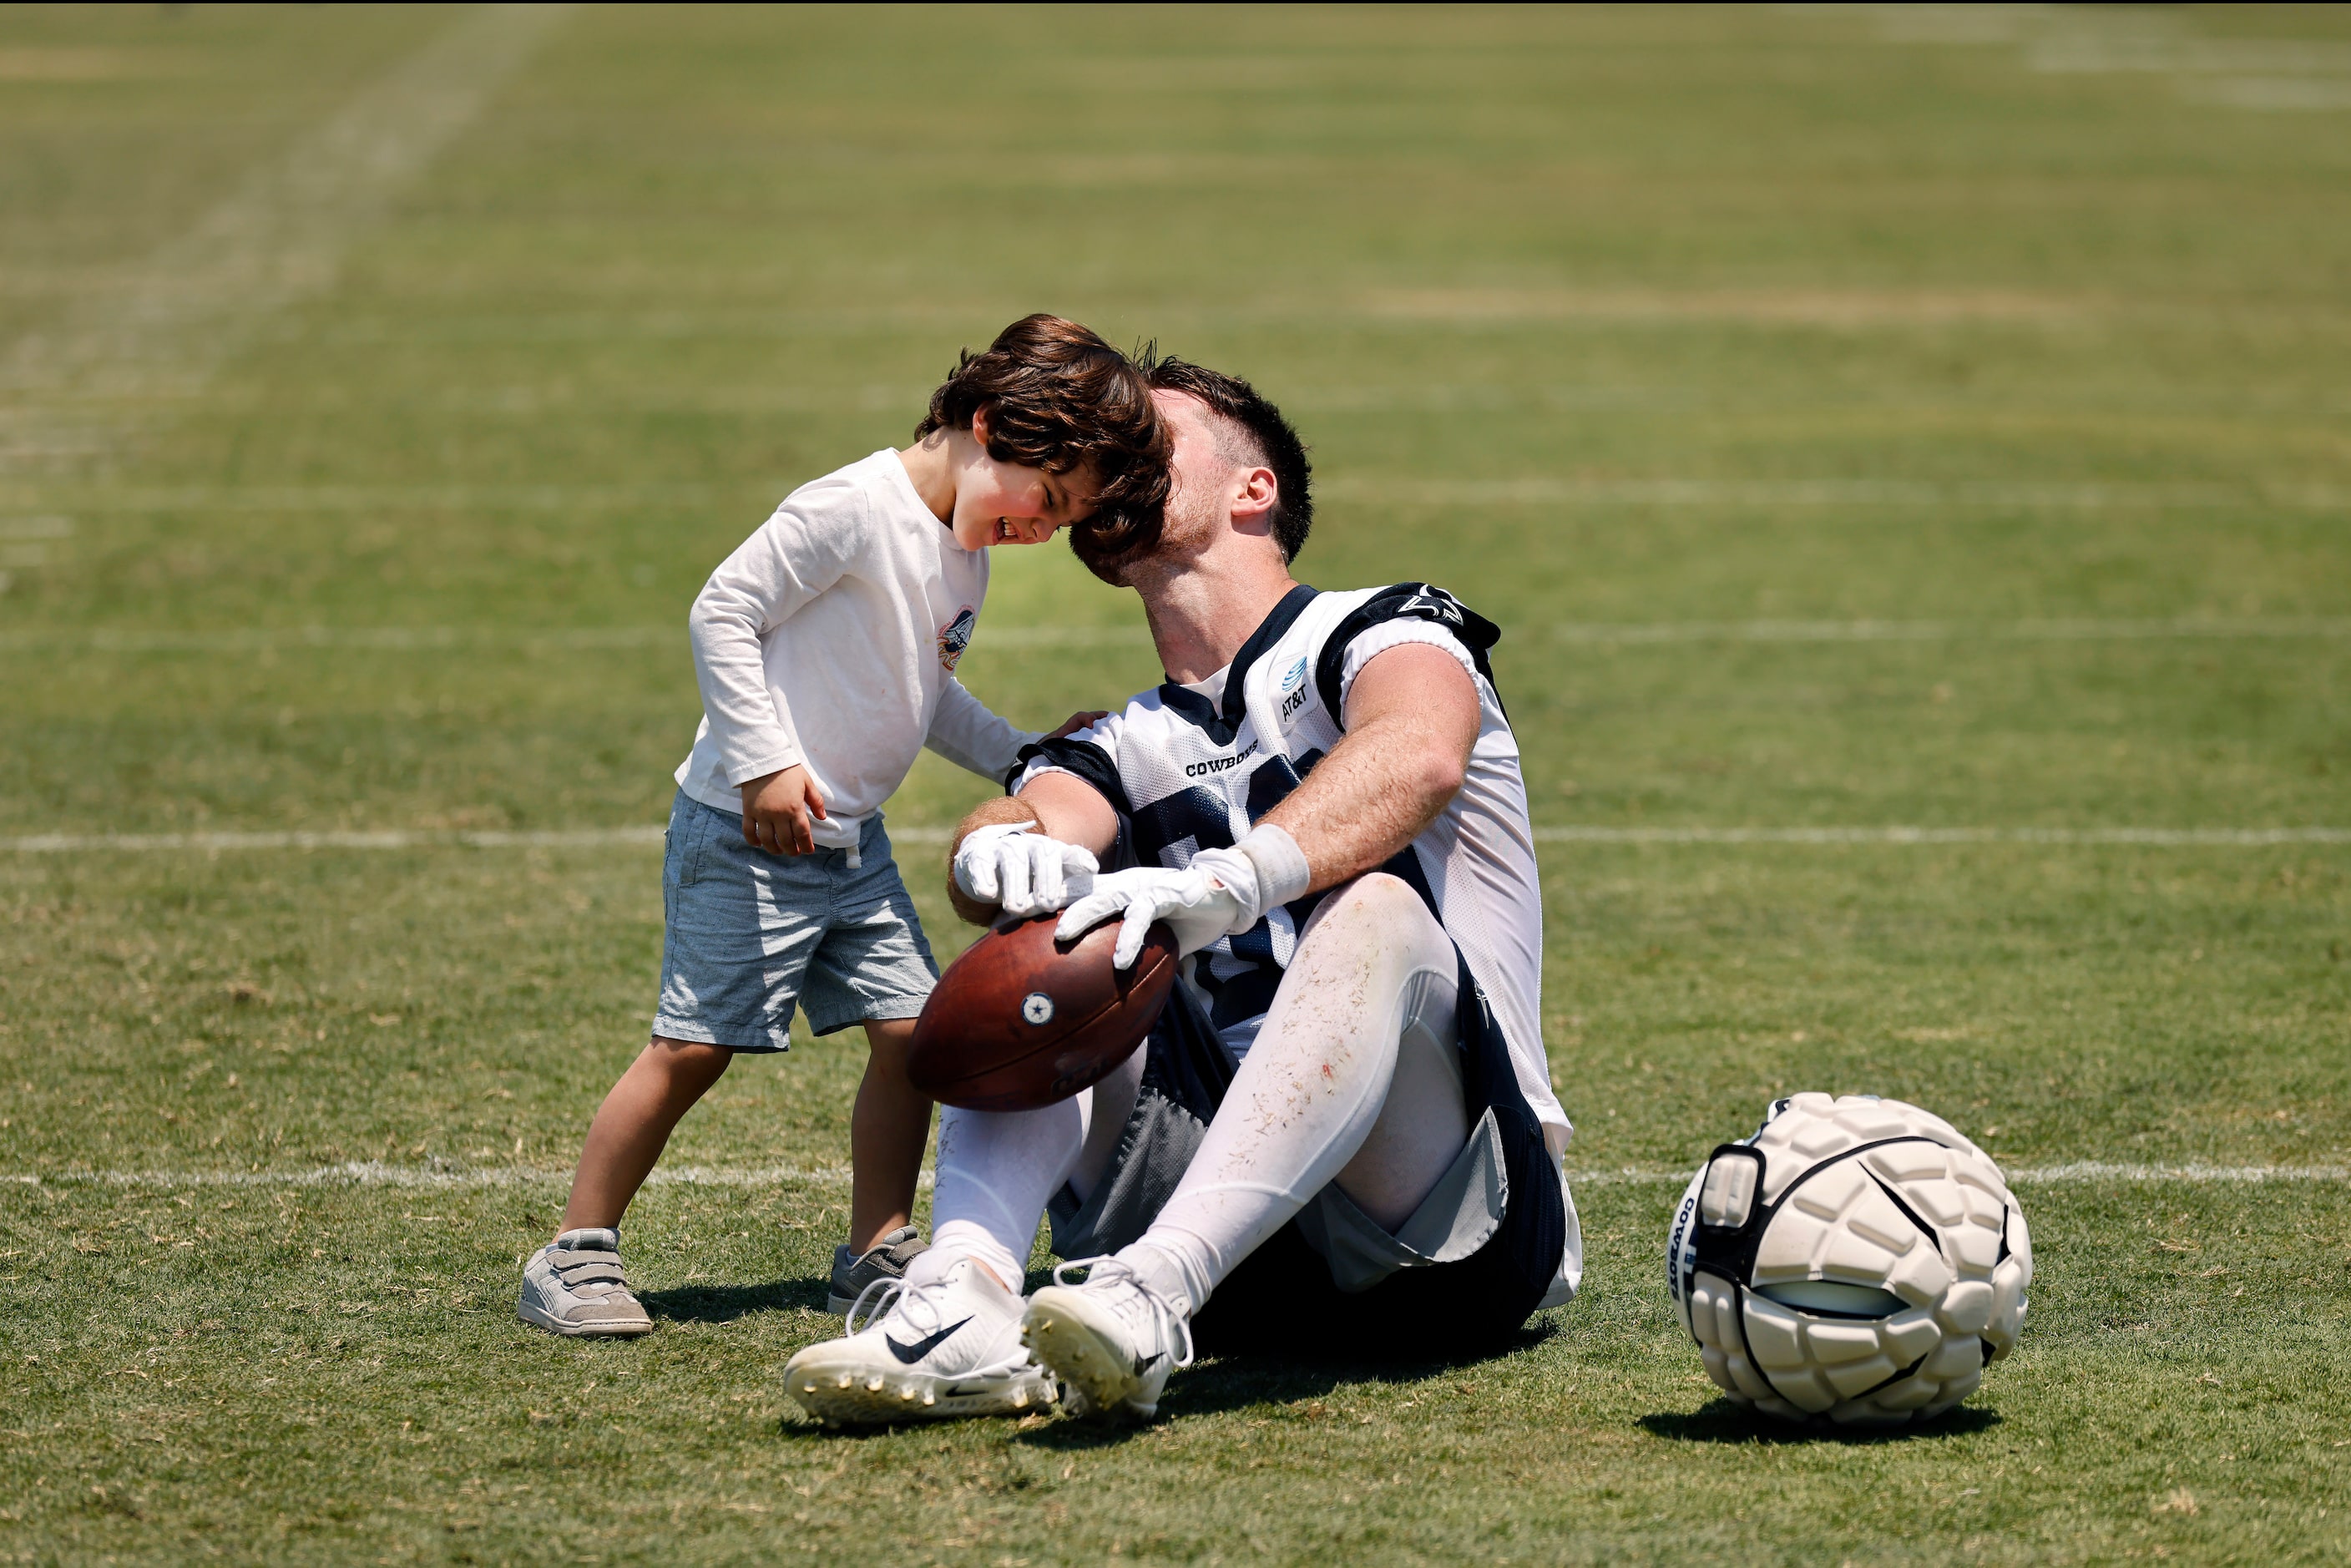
651 833
2031 631
2064 494
431 639
392 839
2157 838
372 639
371 1174
374 1173
1538 490
2264 73
74 393
368 498
1630 633
2072 1173
2183 1176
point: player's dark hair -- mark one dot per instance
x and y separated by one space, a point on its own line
1060 399
1278 446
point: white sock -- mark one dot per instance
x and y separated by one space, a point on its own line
957 1239
997 1171
1178 1276
1305 1099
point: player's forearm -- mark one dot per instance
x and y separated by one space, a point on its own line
1373 795
1412 721
1069 809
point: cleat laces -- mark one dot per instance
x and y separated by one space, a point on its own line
888 1290
921 1312
1140 1310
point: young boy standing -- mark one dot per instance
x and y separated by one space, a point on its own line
825 648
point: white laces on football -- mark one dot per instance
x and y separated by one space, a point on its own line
1146 1307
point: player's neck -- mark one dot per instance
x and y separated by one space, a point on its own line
1204 607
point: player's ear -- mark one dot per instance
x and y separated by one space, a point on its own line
1258 492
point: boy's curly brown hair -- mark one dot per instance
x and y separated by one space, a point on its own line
1060 399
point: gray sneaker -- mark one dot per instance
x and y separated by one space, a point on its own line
886 1260
574 1285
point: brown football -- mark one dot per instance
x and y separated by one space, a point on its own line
1021 1020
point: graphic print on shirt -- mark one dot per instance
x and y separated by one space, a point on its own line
954 637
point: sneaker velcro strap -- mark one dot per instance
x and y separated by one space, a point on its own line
605 1271
565 1256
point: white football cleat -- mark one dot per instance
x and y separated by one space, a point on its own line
1111 1337
948 1347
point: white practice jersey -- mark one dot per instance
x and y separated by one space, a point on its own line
1193 768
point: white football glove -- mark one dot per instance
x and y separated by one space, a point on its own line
1197 906
1025 873
1222 893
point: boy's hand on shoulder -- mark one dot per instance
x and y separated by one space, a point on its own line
776 810
1078 721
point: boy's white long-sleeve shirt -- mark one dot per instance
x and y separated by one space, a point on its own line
831 639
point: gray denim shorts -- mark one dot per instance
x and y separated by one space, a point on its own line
749 934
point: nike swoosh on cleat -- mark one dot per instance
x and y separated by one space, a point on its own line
910 1353
1145 1363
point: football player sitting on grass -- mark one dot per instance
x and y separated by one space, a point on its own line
826 649
1341 1133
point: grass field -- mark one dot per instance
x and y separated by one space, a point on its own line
1857 419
